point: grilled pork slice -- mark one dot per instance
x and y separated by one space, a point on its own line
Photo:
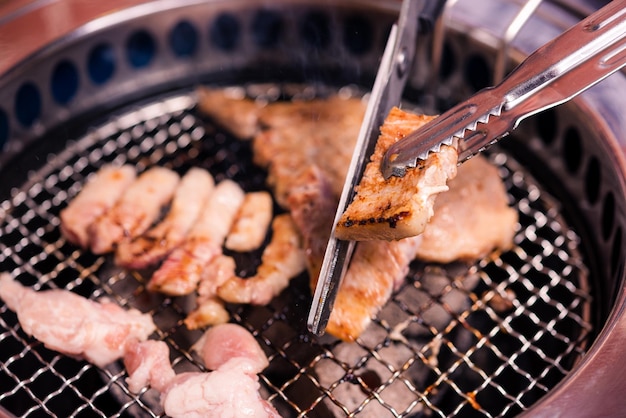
376 269
250 227
182 270
228 108
471 219
398 207
94 200
312 204
73 325
191 195
137 209
210 309
282 260
301 134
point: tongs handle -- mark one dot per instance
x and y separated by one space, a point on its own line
556 72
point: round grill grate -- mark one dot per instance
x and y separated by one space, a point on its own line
482 340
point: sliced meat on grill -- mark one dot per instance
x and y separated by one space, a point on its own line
397 207
182 270
250 227
471 219
227 341
376 269
138 208
300 134
148 249
148 364
228 108
210 309
230 390
97 331
96 198
312 204
282 260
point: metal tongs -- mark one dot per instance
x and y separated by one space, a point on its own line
582 56
558 71
415 16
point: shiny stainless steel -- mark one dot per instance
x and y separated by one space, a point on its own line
387 91
592 381
578 59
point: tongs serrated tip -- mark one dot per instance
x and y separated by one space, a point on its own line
563 68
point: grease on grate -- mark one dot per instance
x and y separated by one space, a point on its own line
440 347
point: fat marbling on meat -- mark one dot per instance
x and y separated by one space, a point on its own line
148 249
97 196
138 208
231 389
182 270
98 331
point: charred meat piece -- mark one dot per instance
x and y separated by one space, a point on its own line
282 260
471 219
376 269
73 325
181 272
193 191
138 208
398 207
94 200
251 223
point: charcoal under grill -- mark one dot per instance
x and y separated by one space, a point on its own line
505 335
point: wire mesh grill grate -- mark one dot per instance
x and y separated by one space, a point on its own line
456 340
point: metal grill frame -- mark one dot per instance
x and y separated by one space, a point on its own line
169 133
594 104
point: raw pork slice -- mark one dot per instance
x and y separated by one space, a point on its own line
70 324
230 390
398 207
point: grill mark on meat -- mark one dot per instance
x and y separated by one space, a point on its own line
397 208
182 270
193 191
137 209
